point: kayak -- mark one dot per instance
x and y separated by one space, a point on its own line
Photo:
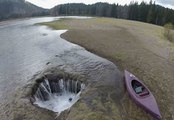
141 95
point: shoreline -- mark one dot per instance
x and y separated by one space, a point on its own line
65 37
138 47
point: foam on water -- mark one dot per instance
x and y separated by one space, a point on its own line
58 96
58 103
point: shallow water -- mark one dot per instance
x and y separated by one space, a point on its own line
27 49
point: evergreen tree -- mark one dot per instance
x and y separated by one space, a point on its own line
145 12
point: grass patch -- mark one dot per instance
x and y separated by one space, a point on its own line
168 31
56 25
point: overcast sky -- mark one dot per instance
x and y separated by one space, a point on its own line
52 3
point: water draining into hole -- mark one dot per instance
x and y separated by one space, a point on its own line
58 95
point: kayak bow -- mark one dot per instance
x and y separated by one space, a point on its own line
142 95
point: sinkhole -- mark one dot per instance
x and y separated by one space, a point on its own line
57 95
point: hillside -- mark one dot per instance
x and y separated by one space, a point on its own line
19 8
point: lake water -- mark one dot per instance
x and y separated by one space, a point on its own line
25 49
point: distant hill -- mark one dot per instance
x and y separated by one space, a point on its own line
19 8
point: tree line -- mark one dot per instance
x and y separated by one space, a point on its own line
145 12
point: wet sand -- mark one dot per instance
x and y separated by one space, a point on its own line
138 47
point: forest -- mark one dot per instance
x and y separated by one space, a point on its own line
144 12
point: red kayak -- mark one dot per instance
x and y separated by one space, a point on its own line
142 95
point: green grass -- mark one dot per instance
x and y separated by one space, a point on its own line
56 25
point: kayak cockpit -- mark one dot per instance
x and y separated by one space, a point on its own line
139 89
